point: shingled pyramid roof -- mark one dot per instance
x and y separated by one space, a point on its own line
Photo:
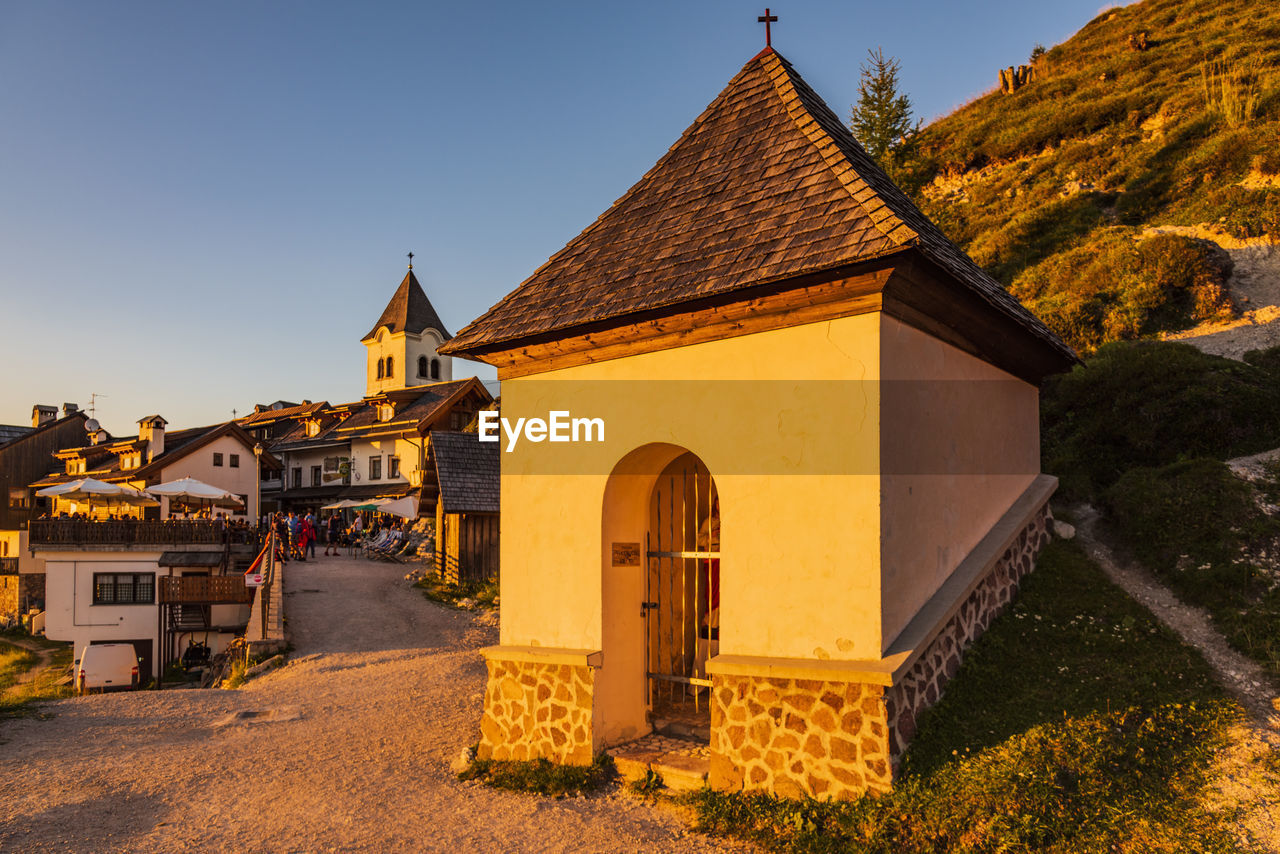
409 311
767 184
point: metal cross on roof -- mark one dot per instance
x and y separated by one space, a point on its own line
410 260
767 19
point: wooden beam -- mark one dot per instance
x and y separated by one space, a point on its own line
808 304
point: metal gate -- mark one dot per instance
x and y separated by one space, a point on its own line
682 583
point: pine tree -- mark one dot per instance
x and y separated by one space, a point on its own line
881 120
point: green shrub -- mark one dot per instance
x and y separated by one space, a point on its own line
1113 288
1188 514
540 776
1150 404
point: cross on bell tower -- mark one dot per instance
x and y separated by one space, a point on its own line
767 19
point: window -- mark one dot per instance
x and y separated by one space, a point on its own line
315 475
19 499
235 461
136 588
435 369
393 466
217 459
386 412
458 419
390 369
381 368
423 370
297 477
375 468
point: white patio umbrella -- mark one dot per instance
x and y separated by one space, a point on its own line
192 492
88 490
406 507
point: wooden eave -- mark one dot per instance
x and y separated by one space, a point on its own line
923 295
840 292
473 386
905 285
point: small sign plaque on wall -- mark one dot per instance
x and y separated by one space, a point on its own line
626 554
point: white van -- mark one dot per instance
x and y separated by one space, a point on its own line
106 665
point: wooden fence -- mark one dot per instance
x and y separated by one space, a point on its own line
124 532
205 590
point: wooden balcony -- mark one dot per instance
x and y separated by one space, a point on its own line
205 590
52 533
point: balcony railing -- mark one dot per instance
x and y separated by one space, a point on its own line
8 566
205 590
136 532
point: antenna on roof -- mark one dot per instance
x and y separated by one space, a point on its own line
93 398
767 19
410 260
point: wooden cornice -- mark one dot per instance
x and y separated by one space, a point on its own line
778 308
922 295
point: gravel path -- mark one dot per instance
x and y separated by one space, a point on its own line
344 749
1242 782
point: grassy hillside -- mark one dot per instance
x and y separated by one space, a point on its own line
1052 187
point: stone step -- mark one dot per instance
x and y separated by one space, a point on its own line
681 728
682 763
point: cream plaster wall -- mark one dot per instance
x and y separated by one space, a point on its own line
308 458
960 442
70 614
361 450
788 427
199 464
404 349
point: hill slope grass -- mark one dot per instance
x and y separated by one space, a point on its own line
1076 724
1106 140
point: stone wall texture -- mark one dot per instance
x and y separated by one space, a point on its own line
538 711
796 737
923 684
18 594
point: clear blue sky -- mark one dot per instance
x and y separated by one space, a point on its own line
206 205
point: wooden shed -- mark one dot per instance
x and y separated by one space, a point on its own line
467 472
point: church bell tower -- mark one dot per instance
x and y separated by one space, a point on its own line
401 349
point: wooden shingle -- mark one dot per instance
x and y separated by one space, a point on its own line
766 185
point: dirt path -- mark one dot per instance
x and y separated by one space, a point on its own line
44 655
344 749
1241 781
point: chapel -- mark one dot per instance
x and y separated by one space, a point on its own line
820 475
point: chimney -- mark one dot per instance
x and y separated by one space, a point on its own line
151 430
69 409
42 414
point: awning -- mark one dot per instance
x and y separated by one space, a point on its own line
190 559
375 490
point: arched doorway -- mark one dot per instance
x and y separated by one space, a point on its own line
682 594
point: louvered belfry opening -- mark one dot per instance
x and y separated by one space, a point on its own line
682 589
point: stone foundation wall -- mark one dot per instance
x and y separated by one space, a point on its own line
796 737
535 710
838 740
18 594
923 684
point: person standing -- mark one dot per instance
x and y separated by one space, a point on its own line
334 530
309 534
295 535
282 537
